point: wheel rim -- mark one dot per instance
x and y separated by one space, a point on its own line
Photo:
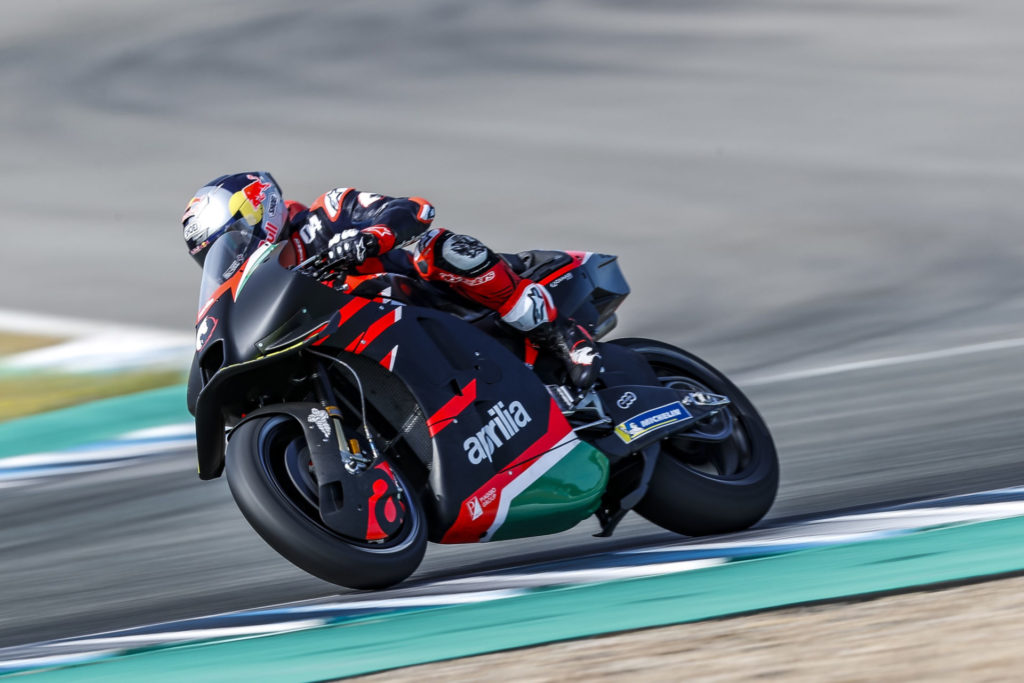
729 460
284 458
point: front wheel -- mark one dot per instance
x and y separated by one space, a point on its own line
269 473
701 488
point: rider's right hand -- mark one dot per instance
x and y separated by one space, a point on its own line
351 248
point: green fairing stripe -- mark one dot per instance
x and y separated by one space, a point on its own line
567 493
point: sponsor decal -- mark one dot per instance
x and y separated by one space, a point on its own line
321 420
256 191
505 423
558 281
475 505
626 400
652 420
192 230
469 282
204 331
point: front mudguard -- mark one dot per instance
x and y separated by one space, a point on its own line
352 503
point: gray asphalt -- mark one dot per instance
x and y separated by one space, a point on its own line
790 184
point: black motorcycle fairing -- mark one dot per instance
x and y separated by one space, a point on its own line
483 406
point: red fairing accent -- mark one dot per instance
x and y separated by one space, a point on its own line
351 308
388 361
231 285
469 530
360 343
380 487
373 530
346 312
452 409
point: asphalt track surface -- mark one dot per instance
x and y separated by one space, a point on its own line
790 185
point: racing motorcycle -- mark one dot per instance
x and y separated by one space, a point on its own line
359 417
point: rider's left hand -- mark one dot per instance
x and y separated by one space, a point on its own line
352 247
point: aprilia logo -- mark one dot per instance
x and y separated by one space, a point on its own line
505 423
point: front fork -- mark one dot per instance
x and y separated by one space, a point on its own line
363 499
351 452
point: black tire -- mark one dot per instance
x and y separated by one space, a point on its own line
272 495
701 488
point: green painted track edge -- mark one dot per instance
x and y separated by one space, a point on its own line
939 556
93 422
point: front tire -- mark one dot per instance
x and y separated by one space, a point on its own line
270 482
708 488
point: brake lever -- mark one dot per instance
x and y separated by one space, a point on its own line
318 266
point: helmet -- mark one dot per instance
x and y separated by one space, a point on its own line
249 203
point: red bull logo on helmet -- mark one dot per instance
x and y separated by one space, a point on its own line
256 191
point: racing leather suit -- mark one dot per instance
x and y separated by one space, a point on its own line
464 263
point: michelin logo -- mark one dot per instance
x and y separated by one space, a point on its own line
505 423
644 423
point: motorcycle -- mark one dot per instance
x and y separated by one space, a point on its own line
359 417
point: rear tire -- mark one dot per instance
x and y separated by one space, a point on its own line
265 459
708 488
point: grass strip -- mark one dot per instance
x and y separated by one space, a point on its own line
18 343
22 395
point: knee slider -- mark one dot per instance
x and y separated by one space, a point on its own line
466 255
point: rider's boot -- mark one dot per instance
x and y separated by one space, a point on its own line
531 310
573 345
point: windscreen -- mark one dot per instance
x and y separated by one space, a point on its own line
224 259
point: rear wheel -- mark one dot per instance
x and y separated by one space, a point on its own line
269 473
701 487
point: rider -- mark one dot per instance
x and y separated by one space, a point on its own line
365 231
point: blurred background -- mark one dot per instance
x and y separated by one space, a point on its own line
791 185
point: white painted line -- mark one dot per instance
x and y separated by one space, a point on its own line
840 368
204 633
60 326
413 601
574 576
176 431
37 465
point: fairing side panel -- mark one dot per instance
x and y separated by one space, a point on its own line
490 418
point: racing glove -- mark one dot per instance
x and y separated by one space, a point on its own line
352 247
